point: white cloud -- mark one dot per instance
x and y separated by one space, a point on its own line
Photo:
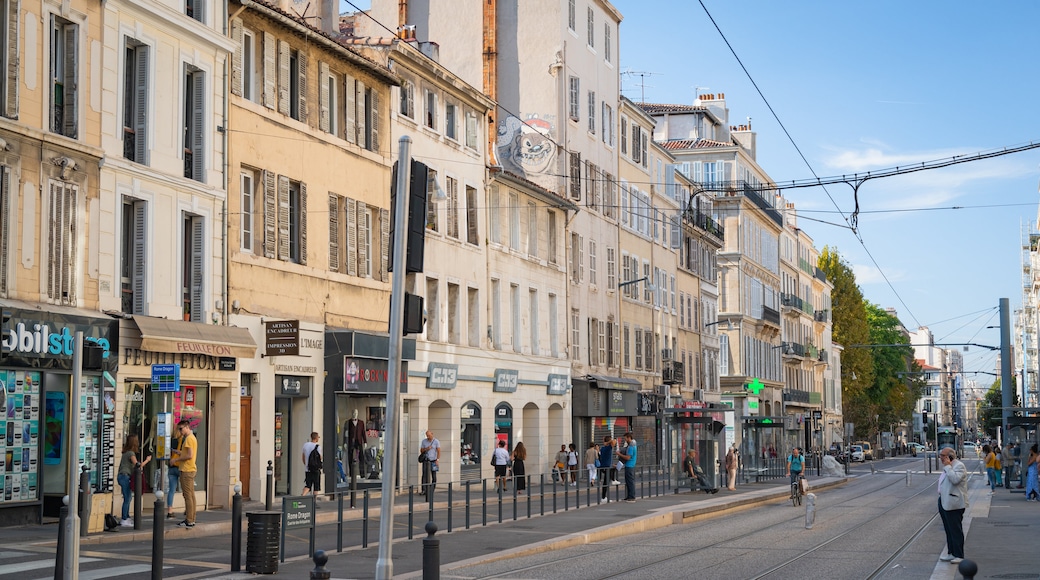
868 274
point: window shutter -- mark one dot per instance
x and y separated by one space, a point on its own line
323 96
471 216
333 232
198 158
236 58
138 258
301 76
591 327
197 269
270 72
471 130
363 237
373 145
283 217
283 77
359 120
141 106
643 136
581 258
71 71
352 252
384 245
5 223
270 213
56 242
303 223
13 60
350 127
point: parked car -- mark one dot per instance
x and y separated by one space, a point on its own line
856 452
868 452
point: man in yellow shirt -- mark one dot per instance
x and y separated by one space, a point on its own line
184 458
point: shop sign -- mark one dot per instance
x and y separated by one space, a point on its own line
282 337
27 338
622 403
442 376
506 380
558 384
136 357
369 375
292 386
227 363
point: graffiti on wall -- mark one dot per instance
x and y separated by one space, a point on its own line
526 147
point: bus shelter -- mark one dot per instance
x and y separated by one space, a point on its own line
700 429
763 452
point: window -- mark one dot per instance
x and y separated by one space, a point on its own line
602 342
247 213
639 348
64 77
195 9
471 130
471 216
9 59
431 208
514 221
608 124
135 102
637 152
194 123
362 124
606 41
613 345
647 296
431 109
609 196
514 308
574 94
473 316
554 332
285 226
192 267
624 135
551 236
648 343
248 64
571 14
358 233
592 262
132 256
364 240
575 174
407 104
451 112
594 342
592 112
452 186
433 309
532 230
575 334
63 227
494 215
297 85
611 269
627 362
577 252
329 100
454 316
591 28
533 320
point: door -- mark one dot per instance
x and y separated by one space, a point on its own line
245 445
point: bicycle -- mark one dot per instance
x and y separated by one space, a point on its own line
796 491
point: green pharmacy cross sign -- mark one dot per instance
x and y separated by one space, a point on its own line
755 386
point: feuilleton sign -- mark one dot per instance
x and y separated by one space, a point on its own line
282 337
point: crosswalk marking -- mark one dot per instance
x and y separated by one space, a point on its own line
112 572
38 564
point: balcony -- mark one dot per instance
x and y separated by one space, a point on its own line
708 224
821 275
822 316
756 193
771 316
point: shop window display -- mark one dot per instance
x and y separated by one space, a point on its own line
20 406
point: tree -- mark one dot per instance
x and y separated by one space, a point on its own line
892 396
991 418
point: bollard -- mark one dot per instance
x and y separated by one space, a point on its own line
157 535
968 569
319 572
908 478
59 558
270 485
431 554
236 529
810 510
138 482
84 501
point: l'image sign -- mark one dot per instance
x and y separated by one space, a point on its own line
282 337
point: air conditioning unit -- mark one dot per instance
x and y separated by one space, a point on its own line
698 394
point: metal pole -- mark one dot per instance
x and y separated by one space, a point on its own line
431 554
84 488
236 529
59 560
1006 400
157 536
270 486
384 563
138 483
71 562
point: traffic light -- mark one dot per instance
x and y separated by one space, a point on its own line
924 418
415 242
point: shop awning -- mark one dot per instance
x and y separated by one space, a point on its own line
619 383
164 335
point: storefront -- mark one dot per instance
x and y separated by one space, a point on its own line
469 442
206 393
35 405
357 372
603 406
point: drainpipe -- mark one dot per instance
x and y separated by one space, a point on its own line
224 204
491 74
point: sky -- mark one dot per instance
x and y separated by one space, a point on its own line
864 86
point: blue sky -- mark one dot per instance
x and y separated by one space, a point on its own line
872 85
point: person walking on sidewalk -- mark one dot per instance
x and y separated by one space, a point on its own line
500 459
572 464
592 462
312 465
629 457
131 447
606 466
519 469
731 468
184 459
953 499
990 462
432 448
560 466
1032 485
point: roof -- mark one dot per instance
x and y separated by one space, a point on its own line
655 108
674 144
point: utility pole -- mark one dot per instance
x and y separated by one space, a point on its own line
1005 364
71 561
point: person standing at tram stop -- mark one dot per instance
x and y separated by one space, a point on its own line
1032 484
519 469
990 461
501 461
606 466
629 455
131 447
572 464
953 499
184 458
1008 460
731 467
431 446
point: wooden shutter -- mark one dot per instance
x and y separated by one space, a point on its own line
197 269
301 78
323 97
198 157
283 77
303 223
56 241
138 258
384 245
141 105
71 70
471 216
13 59
236 57
364 237
373 144
6 207
283 217
362 112
352 244
270 214
581 258
333 232
350 96
270 98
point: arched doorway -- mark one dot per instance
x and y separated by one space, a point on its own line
469 442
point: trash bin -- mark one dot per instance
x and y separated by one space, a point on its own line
262 542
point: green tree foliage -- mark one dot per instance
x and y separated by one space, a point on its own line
990 407
896 387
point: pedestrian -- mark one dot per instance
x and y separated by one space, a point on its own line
592 462
560 467
695 473
1032 485
953 498
432 448
731 468
519 469
185 457
312 464
998 465
1008 461
500 459
629 455
606 466
990 463
572 464
131 448
173 476
795 463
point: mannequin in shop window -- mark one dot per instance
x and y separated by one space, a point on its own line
354 433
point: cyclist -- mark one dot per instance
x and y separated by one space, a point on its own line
795 463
